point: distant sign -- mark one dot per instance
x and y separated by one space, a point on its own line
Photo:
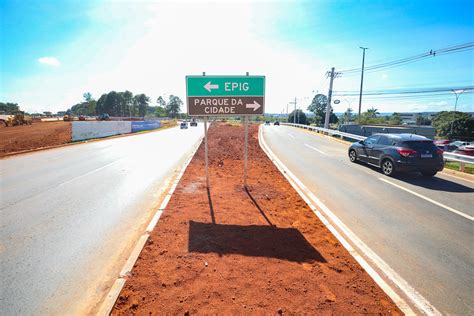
225 95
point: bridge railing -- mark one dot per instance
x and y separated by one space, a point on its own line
462 159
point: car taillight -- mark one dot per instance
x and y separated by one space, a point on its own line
439 152
406 152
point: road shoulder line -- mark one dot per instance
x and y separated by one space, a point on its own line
416 298
107 305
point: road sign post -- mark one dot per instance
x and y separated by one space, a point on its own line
225 96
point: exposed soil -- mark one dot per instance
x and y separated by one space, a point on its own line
256 252
37 135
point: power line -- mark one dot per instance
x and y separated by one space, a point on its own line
408 91
411 59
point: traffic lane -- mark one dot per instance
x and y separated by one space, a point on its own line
453 192
62 243
426 245
41 168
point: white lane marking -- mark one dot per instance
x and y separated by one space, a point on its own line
430 200
423 304
90 172
291 135
319 151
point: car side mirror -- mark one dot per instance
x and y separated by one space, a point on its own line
362 142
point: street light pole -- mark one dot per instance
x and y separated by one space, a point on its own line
361 82
457 93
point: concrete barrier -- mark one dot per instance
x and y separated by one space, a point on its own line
96 129
145 126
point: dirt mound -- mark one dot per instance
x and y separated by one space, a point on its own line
37 135
235 251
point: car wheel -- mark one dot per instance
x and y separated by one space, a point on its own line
388 168
429 173
352 155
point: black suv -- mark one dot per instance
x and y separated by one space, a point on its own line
399 153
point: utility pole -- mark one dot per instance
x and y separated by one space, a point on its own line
457 93
331 74
294 113
361 82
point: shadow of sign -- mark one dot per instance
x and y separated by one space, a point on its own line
253 240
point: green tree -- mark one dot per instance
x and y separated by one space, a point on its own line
100 106
395 119
87 96
372 112
127 99
348 116
9 108
142 103
318 107
174 106
300 117
463 125
161 102
422 120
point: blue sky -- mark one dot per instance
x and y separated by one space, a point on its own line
54 51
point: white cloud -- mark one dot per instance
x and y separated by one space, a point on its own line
50 61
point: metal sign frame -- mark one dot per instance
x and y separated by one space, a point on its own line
244 119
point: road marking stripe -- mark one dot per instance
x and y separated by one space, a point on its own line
417 299
90 172
319 151
291 135
429 200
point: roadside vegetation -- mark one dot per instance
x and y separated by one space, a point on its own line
468 168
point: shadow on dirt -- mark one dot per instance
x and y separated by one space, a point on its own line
253 240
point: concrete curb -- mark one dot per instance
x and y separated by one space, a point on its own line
114 292
308 197
7 155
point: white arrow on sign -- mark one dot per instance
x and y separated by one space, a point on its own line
255 106
208 86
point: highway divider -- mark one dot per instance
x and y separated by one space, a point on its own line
462 159
82 130
145 125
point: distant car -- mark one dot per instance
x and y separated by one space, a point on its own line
103 117
456 144
276 123
193 122
183 125
267 122
82 118
465 150
399 153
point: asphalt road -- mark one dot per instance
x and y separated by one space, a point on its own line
421 233
70 216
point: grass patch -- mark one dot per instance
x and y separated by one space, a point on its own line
469 168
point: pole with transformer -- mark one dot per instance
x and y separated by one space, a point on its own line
361 83
332 75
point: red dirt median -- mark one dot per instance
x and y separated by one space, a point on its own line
261 251
38 135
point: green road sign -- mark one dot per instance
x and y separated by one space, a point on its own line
225 95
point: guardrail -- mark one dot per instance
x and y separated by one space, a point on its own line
462 159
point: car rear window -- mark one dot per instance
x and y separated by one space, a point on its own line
420 145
